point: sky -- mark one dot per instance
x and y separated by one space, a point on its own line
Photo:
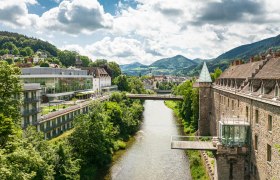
143 31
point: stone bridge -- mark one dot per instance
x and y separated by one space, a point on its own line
155 97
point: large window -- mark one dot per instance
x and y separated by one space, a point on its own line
268 153
269 125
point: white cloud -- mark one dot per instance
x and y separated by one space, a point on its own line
154 30
15 13
76 16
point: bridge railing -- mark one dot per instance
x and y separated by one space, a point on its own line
193 138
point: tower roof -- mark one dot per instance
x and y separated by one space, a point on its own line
204 74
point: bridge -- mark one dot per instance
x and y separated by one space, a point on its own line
163 91
155 97
193 143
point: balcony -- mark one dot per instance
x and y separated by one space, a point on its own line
31 100
31 112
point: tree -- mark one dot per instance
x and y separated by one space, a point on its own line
99 63
9 60
195 108
44 64
216 74
10 91
136 85
122 83
4 51
67 58
66 166
85 60
24 160
23 52
114 69
93 137
9 45
29 51
15 51
6 129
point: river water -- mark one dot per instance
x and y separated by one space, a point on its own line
150 157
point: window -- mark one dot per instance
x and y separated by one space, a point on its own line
257 116
228 102
262 89
268 153
238 103
26 95
232 104
256 142
247 112
276 91
269 127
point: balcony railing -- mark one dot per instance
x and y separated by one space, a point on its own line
31 111
30 100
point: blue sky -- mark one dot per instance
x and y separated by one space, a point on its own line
143 30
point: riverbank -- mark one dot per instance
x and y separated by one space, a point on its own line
93 172
196 163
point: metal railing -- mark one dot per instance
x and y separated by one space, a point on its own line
193 138
31 111
32 99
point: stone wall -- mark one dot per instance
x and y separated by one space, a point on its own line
204 109
227 104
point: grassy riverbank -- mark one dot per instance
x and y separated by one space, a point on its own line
196 165
93 172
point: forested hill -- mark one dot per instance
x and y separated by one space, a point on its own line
22 41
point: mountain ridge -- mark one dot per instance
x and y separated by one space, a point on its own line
222 61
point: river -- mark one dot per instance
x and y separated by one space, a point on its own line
150 157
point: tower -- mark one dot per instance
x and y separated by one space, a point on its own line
204 84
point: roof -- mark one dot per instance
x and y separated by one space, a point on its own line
241 71
271 70
204 74
96 71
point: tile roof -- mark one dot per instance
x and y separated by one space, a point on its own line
271 70
242 71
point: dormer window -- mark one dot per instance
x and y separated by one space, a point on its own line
277 91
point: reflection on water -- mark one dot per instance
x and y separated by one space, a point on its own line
150 157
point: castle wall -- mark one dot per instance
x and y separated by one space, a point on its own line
205 110
227 104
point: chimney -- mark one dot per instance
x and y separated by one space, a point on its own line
236 62
262 56
252 59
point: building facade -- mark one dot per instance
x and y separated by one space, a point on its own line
31 110
56 87
248 95
58 83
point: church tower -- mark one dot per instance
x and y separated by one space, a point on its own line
204 84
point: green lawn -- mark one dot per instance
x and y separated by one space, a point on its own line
48 109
